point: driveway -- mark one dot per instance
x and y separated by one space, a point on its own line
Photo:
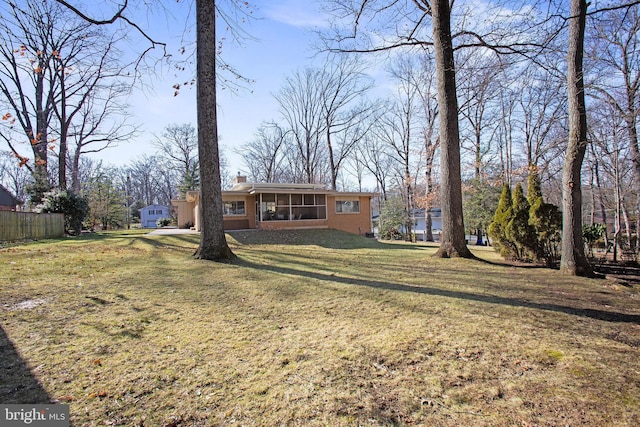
167 230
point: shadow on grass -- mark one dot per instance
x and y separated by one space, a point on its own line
515 264
326 238
173 241
17 383
608 316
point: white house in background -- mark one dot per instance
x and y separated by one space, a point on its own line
419 223
150 214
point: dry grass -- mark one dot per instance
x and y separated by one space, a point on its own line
311 328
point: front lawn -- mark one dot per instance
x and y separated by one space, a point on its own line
313 327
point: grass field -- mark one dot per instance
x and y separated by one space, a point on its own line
311 328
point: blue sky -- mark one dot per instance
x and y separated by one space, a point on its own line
283 43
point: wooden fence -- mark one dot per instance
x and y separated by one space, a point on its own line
30 225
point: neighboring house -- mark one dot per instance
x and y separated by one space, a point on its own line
8 202
283 206
419 223
150 214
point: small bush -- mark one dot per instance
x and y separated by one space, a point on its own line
163 222
591 233
74 207
392 220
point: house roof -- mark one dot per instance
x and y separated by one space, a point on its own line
8 199
153 207
253 187
258 188
250 188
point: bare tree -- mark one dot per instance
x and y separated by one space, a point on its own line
62 80
33 36
355 168
343 84
479 98
90 108
614 54
376 158
542 106
144 179
400 128
178 145
610 160
301 104
265 155
99 123
504 136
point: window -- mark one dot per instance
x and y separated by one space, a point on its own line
234 207
348 206
284 206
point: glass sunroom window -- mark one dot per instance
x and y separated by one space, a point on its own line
281 207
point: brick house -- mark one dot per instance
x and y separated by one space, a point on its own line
269 206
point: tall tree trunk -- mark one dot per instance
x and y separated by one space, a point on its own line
332 163
452 239
573 260
62 157
635 156
64 131
39 141
213 243
600 201
409 206
75 172
627 223
427 208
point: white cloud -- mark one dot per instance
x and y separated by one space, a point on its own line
301 14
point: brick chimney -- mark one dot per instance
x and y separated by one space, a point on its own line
239 179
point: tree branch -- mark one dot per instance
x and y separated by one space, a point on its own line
118 15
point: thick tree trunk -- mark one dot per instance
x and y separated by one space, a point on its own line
213 243
39 142
452 239
573 260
